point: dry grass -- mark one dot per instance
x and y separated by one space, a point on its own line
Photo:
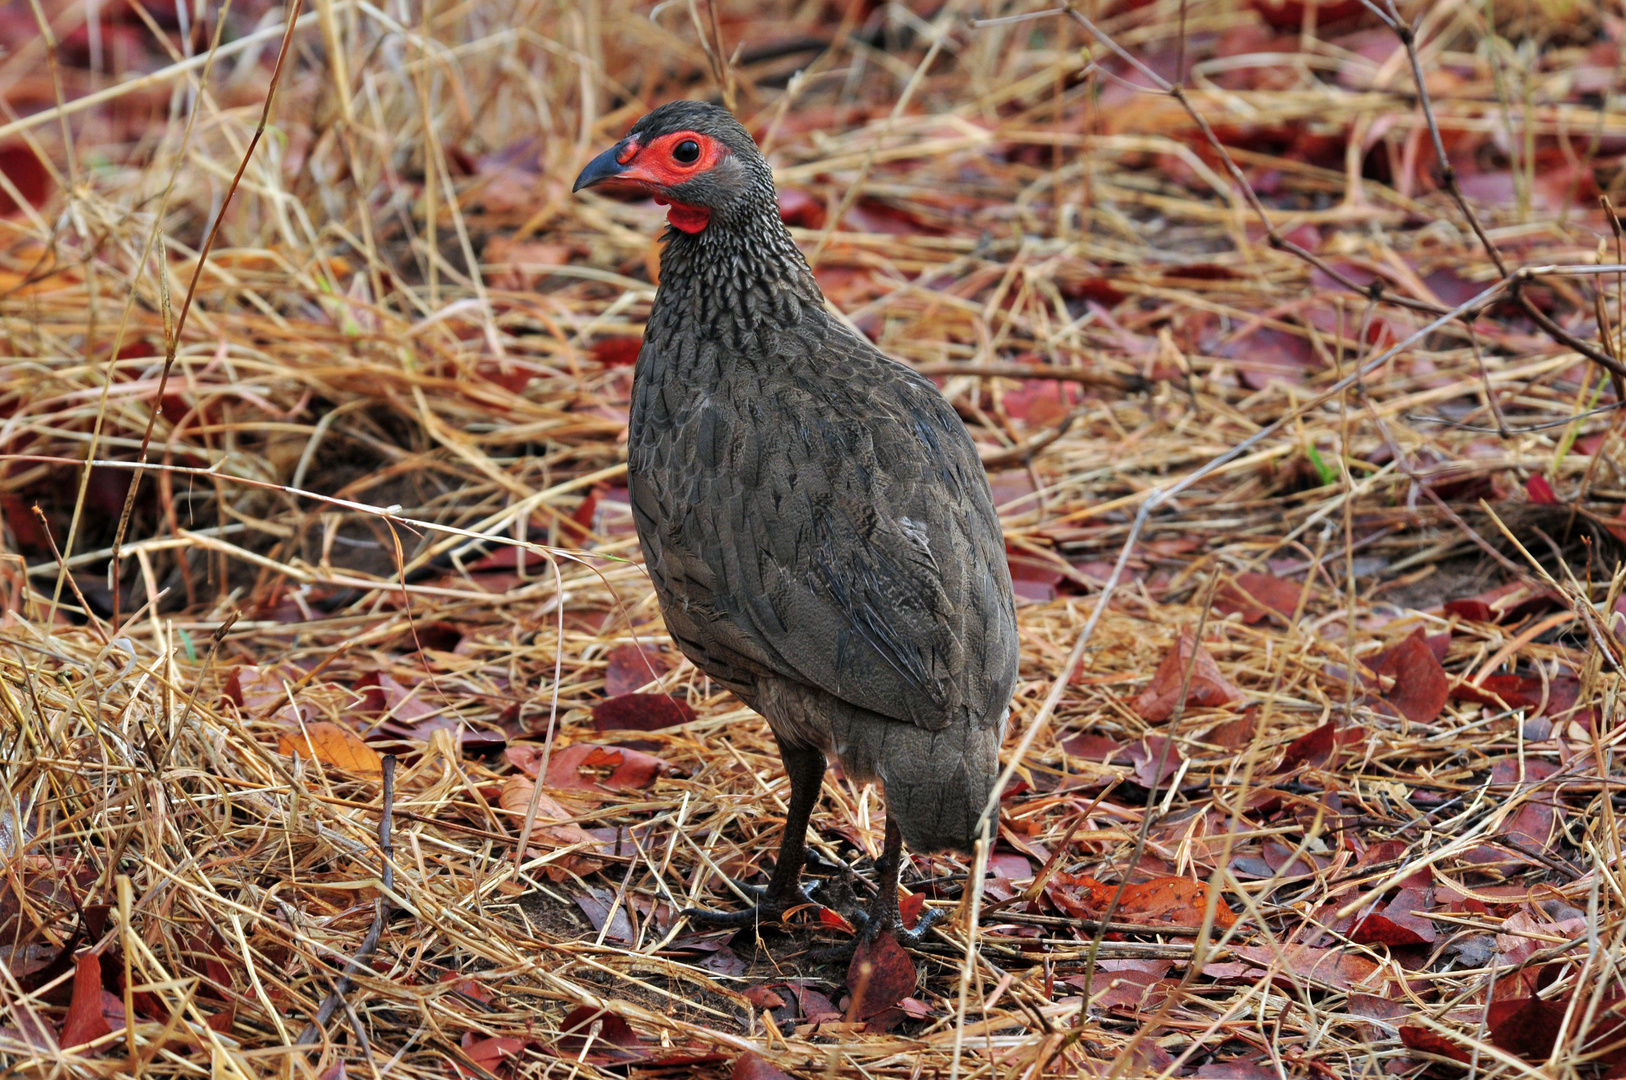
385 443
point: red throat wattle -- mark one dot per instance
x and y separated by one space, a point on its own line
690 219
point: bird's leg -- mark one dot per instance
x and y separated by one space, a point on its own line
805 767
883 911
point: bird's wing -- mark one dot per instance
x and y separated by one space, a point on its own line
845 531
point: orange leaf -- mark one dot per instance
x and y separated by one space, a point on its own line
332 745
85 1021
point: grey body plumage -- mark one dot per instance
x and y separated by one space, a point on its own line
814 515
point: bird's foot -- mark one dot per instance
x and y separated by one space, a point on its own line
767 909
872 924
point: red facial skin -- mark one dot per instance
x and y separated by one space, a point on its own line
651 166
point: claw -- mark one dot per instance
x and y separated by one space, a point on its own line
870 928
767 909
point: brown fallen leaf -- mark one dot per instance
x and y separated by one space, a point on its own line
880 975
86 1020
603 769
553 828
1175 900
641 712
627 667
1258 596
1338 968
332 745
1208 690
751 1066
1420 685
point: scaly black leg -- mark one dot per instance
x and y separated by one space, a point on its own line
883 912
805 767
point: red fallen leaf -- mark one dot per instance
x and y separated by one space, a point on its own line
763 997
1236 1069
1130 985
1432 1042
641 712
526 757
617 351
1209 689
1256 596
580 522
1396 924
490 1053
1315 749
469 988
811 1004
1338 968
380 694
1091 747
910 905
800 210
1472 610
880 975
1288 15
257 689
1180 901
1526 1026
749 1066
833 920
1521 692
630 666
22 167
1147 753
1421 688
1040 402
85 1020
616 1041
1098 289
590 767
1540 491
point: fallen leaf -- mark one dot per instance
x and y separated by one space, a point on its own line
641 712
85 1021
489 1054
1396 924
615 1040
1146 755
1432 1042
1540 491
1315 749
1420 685
590 767
1176 900
1338 968
751 1066
1209 689
1257 596
596 904
332 745
880 975
1236 1069
619 351
629 667
762 997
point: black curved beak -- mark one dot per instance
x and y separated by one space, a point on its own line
602 168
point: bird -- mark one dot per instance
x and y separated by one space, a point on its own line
814 516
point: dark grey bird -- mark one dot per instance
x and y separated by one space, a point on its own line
814 516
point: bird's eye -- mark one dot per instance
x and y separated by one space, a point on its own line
686 152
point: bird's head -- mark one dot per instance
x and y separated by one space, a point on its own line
689 154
